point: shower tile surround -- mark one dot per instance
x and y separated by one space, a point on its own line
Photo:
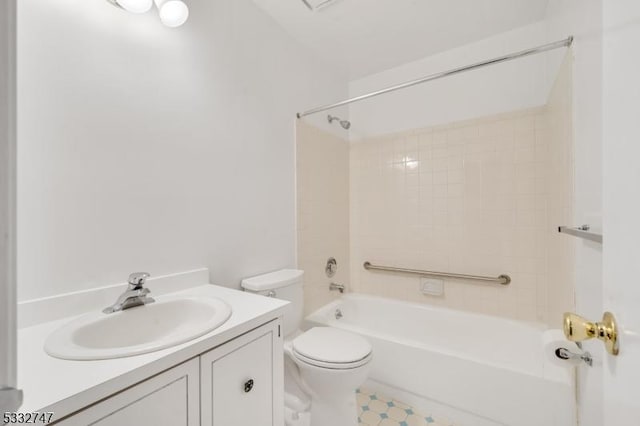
323 211
560 251
482 196
474 197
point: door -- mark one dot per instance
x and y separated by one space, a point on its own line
621 166
242 381
10 399
171 398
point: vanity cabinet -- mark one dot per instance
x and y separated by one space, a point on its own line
171 398
239 383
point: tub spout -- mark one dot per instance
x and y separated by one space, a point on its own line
336 287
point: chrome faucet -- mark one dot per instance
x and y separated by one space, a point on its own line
136 294
566 354
336 287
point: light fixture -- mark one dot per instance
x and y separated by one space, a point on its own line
316 5
173 13
133 6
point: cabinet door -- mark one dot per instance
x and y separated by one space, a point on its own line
168 399
240 382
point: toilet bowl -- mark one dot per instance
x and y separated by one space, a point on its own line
324 366
332 364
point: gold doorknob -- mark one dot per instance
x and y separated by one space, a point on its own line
577 329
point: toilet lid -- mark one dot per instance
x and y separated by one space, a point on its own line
331 346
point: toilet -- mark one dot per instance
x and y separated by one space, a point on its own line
323 366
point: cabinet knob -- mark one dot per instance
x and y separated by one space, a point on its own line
248 386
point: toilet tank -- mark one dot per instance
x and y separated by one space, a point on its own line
285 284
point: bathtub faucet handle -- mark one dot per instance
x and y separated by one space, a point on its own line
336 287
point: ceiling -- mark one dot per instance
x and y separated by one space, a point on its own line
368 36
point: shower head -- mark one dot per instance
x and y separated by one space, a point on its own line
344 123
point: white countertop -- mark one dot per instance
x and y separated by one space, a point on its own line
61 386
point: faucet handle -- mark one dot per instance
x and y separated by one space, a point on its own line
137 280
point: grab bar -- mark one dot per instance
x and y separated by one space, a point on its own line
502 279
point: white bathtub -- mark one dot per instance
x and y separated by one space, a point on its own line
476 370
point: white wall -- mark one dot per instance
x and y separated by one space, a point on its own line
491 90
147 148
584 21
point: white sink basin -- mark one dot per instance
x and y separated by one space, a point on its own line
168 322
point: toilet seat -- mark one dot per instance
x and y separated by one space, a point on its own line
331 348
329 365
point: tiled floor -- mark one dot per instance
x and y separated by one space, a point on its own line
375 409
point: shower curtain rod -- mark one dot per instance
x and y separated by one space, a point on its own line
543 48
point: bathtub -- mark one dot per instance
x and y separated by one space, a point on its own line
475 370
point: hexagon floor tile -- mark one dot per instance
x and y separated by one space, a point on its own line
375 409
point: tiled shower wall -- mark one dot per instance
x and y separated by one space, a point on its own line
323 211
479 197
560 248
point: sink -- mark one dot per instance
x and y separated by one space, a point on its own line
170 321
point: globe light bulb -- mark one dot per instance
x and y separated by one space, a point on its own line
173 13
